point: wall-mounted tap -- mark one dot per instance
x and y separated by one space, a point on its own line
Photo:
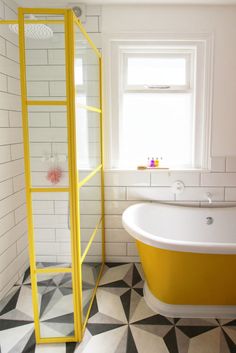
209 197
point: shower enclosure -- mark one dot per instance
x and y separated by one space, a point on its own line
60 75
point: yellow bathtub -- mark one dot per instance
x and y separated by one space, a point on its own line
188 258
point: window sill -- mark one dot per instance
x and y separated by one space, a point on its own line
121 170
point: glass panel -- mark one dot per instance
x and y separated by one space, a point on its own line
86 72
56 311
153 115
156 71
45 59
91 268
90 208
48 146
52 229
88 140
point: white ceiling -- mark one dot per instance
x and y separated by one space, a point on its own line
64 3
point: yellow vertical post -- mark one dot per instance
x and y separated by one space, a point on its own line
102 162
27 173
74 195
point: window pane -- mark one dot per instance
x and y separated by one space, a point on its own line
156 71
156 125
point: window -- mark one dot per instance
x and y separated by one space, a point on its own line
157 96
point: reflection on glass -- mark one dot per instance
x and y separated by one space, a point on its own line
56 311
52 229
90 209
86 72
91 268
88 139
45 59
48 145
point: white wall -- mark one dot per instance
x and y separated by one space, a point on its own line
127 187
13 229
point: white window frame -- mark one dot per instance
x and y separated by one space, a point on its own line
199 47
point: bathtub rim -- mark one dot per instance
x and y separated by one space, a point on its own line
187 311
174 245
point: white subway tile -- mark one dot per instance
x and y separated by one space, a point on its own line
12 51
115 193
20 213
51 197
15 119
91 24
117 249
3 82
122 259
8 285
200 194
117 207
10 135
58 42
47 135
93 10
11 203
5 154
8 273
57 88
43 207
56 57
44 258
127 178
11 236
17 151
46 248
63 248
39 149
11 169
6 223
19 182
231 164
132 249
10 14
149 193
36 57
63 235
219 179
90 193
167 178
13 85
45 73
59 119
118 236
40 179
37 89
4 120
97 39
9 67
45 235
10 101
6 188
90 207
230 194
2 10
89 221
113 221
218 164
61 207
2 46
51 221
22 243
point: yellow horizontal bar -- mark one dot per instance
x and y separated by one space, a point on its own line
13 22
57 339
89 107
31 102
90 241
92 299
49 189
53 270
45 11
85 34
88 177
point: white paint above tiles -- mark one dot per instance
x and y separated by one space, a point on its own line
54 3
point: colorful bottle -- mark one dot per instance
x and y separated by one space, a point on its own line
152 164
156 162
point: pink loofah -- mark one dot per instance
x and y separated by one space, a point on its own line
54 175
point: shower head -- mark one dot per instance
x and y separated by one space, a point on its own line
34 31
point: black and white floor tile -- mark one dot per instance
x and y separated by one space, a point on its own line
120 321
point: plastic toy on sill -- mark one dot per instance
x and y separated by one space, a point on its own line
152 164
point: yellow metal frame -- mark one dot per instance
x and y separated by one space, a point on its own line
75 184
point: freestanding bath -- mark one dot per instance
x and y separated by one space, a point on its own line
188 256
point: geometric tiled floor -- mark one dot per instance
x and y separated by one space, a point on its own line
120 322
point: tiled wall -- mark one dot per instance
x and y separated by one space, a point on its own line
124 188
13 229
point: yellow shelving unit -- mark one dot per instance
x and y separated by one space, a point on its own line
66 18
